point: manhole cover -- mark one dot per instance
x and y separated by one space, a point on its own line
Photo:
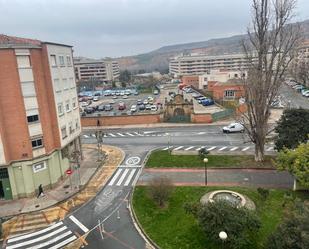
66 186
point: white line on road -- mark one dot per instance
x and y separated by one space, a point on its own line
138 134
111 134
93 135
270 148
85 136
211 148
122 177
52 241
189 148
129 177
178 148
115 177
201 133
120 134
130 134
167 148
63 243
199 148
247 148
78 223
234 148
223 148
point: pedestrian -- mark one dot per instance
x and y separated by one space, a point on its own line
41 192
98 122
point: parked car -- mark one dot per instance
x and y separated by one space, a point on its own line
121 106
233 127
148 107
108 108
200 99
83 104
136 93
155 92
153 108
139 102
207 102
89 110
95 98
133 108
145 102
125 96
304 91
141 107
115 97
101 108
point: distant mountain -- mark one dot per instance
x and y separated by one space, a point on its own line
159 58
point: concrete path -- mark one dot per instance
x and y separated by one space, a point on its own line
220 177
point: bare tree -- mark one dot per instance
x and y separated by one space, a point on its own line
269 50
160 189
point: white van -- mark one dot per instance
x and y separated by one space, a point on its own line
233 127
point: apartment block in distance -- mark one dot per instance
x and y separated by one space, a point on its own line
99 70
198 64
39 114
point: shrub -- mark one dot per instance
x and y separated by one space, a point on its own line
160 189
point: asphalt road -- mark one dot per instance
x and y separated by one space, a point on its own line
294 98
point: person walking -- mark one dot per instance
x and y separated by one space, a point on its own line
41 192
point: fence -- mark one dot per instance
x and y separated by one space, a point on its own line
222 115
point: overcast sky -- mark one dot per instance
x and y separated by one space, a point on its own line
100 28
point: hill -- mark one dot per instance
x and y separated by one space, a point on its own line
158 59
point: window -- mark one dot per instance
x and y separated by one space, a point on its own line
33 118
60 109
28 89
74 103
57 85
23 61
37 143
61 60
77 124
53 60
69 62
71 129
65 84
205 78
67 106
229 94
64 132
71 82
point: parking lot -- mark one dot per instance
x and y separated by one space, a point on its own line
114 105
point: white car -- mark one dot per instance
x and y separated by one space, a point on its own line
133 108
154 108
125 96
233 127
95 98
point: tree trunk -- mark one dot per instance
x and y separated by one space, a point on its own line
259 151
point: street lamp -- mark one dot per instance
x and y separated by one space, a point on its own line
205 160
223 237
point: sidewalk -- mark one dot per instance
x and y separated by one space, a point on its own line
60 201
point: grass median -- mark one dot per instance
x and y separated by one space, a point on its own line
163 159
172 228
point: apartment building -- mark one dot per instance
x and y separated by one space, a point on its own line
100 70
39 114
197 64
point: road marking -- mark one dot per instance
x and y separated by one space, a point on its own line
85 136
111 134
167 148
122 177
134 160
120 134
53 240
178 148
65 242
270 148
244 149
136 177
147 132
129 177
26 236
201 133
234 148
211 148
78 223
223 148
46 236
138 134
115 177
189 148
93 135
130 134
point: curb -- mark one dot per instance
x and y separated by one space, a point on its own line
136 222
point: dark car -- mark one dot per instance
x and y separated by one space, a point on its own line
121 106
89 110
207 102
108 108
141 107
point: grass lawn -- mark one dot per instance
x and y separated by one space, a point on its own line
172 228
162 159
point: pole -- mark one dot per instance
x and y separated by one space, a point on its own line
205 173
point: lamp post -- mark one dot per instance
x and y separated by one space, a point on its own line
223 237
205 160
99 136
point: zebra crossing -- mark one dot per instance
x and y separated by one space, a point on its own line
217 148
127 134
53 237
125 176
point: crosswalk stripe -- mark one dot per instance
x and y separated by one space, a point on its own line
130 134
223 148
166 148
270 148
111 134
244 149
201 133
189 148
93 135
178 148
79 224
129 177
234 148
26 236
122 177
120 134
138 134
65 242
52 241
85 136
43 237
115 177
213 147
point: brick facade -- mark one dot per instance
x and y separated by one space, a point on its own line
190 80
